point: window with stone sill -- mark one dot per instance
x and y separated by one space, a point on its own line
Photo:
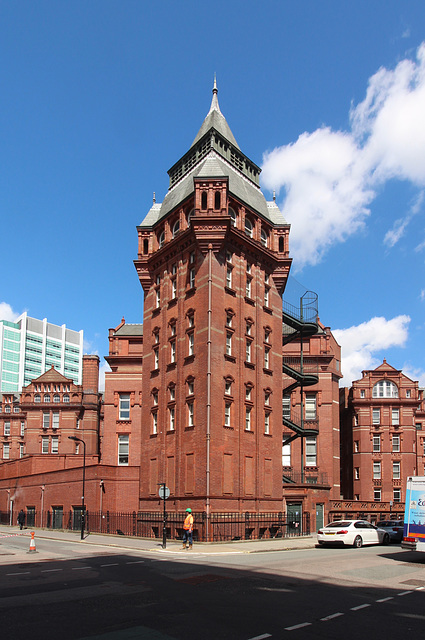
395 443
248 227
154 422
176 228
267 358
171 418
156 358
228 387
248 350
190 387
190 414
267 396
124 406
248 422
228 343
227 409
264 237
267 423
123 449
191 341
172 393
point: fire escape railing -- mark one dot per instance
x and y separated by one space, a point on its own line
299 323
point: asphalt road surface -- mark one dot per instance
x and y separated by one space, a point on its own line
72 592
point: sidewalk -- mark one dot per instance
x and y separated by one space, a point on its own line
173 546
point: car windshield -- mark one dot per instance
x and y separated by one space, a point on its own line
384 523
340 523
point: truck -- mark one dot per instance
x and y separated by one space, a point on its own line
414 515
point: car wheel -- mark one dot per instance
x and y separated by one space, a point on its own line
357 542
386 539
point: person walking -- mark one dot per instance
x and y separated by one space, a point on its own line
188 529
21 519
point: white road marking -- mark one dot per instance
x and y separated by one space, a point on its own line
19 573
385 599
298 626
50 570
265 635
404 593
360 606
112 564
80 568
135 562
332 616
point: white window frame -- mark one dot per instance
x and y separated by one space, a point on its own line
55 420
248 420
172 418
227 412
124 407
191 341
396 470
267 357
377 494
395 417
376 444
311 451
377 470
123 450
7 428
286 455
228 343
6 451
44 445
267 423
46 419
395 443
310 409
154 422
396 494
190 414
55 444
376 415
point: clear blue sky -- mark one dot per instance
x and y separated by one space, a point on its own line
100 98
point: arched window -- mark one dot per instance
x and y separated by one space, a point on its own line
161 239
204 201
176 228
248 227
385 389
232 215
217 200
281 245
264 237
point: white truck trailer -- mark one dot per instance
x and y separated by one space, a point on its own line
414 515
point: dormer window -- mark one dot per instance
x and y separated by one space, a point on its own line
176 228
161 239
264 237
248 227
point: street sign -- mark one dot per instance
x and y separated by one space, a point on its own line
164 492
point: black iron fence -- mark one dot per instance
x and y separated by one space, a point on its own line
219 527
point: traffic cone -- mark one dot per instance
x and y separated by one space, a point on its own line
32 548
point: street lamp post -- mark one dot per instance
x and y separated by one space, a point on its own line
83 506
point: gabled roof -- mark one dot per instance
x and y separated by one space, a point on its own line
51 375
386 367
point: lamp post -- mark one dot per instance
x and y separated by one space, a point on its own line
83 507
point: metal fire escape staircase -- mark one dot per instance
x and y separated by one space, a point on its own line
300 370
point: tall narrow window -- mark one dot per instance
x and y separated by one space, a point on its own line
311 451
286 407
191 339
55 420
267 357
7 427
6 451
204 200
227 406
229 277
376 444
190 416
396 471
286 455
248 351
45 445
55 444
46 419
217 200
172 418
154 422
124 406
376 416
123 449
248 227
191 277
156 358
173 351
377 495
267 423
376 470
310 406
228 343
396 443
395 417
248 411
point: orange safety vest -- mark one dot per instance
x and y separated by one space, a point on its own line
188 522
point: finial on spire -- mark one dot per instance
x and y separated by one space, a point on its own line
274 195
214 101
154 197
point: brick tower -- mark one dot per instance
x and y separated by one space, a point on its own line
213 262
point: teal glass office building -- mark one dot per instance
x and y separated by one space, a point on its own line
29 347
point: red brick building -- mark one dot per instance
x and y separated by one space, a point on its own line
205 393
382 436
194 398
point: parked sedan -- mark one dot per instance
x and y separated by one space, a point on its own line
352 532
394 528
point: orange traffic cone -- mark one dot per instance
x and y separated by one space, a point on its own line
32 548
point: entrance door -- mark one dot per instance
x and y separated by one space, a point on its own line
319 516
76 518
57 517
294 518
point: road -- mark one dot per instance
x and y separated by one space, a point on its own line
76 592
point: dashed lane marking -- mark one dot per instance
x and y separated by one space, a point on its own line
18 573
385 599
360 606
332 616
404 593
298 626
265 635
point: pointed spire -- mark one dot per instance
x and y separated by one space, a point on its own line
214 102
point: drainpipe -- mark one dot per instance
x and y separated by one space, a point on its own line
208 436
302 390
42 504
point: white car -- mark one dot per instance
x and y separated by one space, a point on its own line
352 532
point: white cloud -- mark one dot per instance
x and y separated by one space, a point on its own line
360 344
329 177
7 313
414 374
422 295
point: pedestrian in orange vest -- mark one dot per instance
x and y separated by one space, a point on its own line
188 529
